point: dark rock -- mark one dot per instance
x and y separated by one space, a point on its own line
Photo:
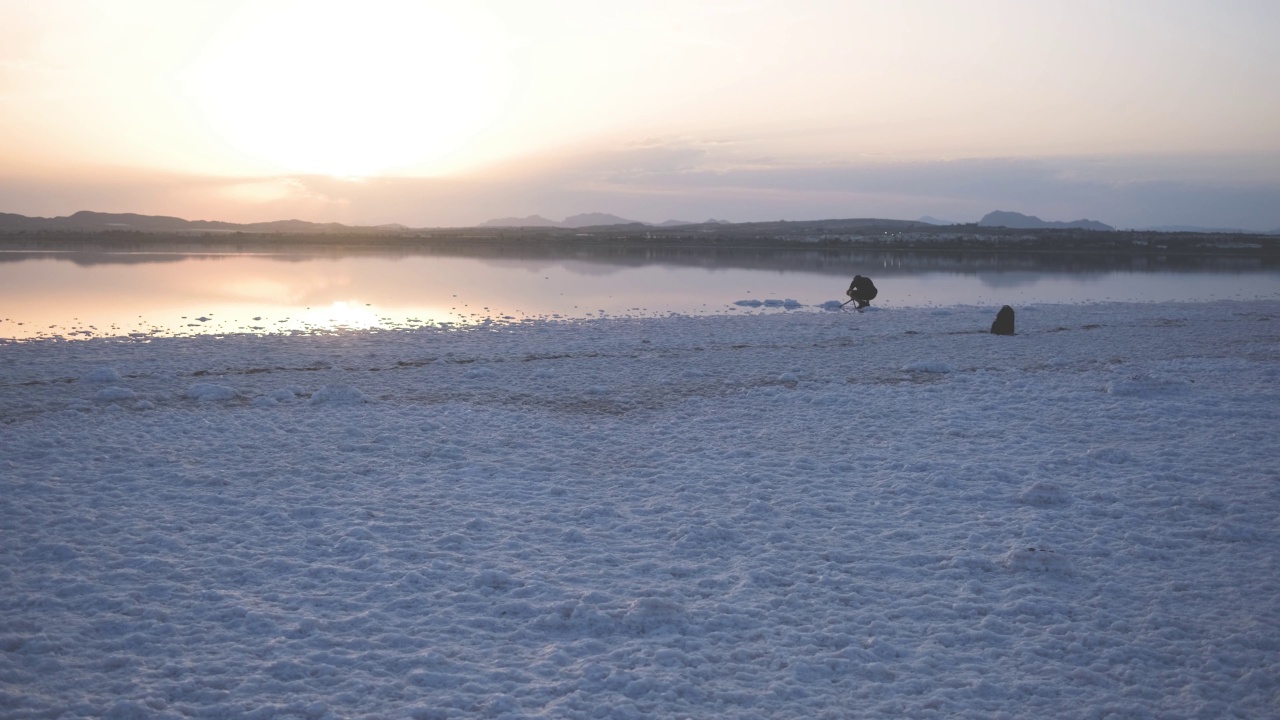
1003 324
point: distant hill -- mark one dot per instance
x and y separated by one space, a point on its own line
593 219
935 221
1018 221
87 221
573 221
531 221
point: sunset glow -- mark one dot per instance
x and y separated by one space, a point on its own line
319 88
448 113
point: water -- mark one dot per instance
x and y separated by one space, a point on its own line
78 294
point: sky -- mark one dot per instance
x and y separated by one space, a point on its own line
428 113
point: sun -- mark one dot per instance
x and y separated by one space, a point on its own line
352 90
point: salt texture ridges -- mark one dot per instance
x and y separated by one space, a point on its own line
890 514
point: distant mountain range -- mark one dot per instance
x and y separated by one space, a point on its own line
935 221
86 221
582 220
1001 218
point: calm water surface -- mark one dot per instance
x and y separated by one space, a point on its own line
91 294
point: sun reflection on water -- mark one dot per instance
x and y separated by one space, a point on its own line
54 296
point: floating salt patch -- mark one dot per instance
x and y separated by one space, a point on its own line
210 392
748 303
101 375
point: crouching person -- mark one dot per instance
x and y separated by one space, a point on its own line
862 291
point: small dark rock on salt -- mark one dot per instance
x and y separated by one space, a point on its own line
1003 324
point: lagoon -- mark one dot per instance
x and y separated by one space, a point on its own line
102 293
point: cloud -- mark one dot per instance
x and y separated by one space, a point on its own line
691 179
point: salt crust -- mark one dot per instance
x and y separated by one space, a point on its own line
885 514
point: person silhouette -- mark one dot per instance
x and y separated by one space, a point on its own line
862 291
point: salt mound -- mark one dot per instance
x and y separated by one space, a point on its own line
653 615
114 393
338 395
103 375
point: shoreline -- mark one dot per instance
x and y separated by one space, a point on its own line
776 237
831 257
